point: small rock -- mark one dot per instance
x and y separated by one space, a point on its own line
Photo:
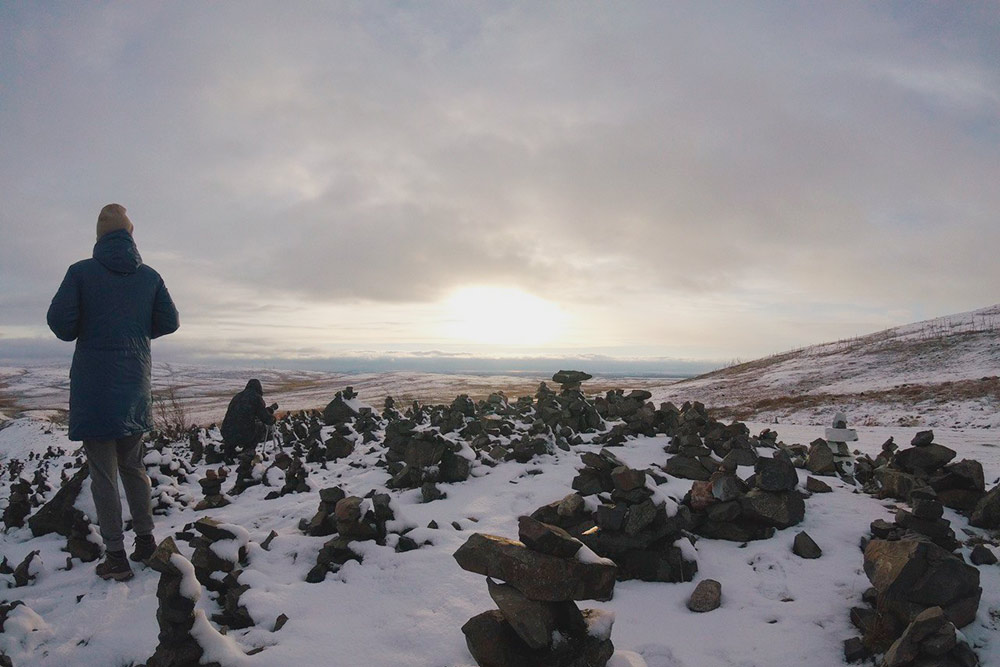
707 596
814 485
805 547
982 555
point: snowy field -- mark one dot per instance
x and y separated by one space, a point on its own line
406 609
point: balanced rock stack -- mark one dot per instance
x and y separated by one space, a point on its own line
59 515
910 576
926 464
635 527
18 505
218 554
211 486
341 409
177 593
417 459
727 508
925 519
353 519
538 624
569 408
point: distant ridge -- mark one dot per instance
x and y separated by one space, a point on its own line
942 371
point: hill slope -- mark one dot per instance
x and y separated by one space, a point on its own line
940 372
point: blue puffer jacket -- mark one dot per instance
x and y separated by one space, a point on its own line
111 305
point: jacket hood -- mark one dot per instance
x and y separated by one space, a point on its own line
116 251
254 385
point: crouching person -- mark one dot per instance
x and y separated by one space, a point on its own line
246 421
112 305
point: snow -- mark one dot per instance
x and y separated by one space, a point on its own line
189 588
939 373
587 555
599 624
406 609
216 646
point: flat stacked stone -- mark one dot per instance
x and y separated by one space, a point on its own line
175 614
61 516
18 505
221 574
537 623
211 486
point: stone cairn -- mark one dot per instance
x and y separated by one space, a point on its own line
18 505
218 567
537 623
349 519
700 444
631 525
422 459
177 593
211 486
727 508
921 591
927 466
60 516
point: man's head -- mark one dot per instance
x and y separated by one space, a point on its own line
111 219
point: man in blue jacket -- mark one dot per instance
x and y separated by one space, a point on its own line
112 305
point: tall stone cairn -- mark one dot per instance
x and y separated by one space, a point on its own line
537 623
175 614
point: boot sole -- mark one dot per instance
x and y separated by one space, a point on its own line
117 576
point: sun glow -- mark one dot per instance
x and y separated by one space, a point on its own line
502 316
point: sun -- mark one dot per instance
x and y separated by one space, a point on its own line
502 316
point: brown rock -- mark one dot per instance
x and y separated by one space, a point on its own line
547 539
706 596
539 576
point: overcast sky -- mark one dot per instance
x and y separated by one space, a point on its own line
702 180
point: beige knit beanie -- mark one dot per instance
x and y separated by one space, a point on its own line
113 218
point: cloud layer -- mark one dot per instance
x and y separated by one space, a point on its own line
691 180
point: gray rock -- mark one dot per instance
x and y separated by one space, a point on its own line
987 512
570 377
923 459
706 596
814 485
912 574
775 474
780 510
922 439
906 649
804 547
981 555
539 576
547 539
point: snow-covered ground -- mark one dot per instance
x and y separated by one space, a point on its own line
939 373
402 609
42 389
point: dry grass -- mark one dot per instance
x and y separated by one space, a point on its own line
940 393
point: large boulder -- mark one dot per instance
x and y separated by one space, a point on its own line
913 574
987 512
776 474
539 576
59 514
923 459
780 510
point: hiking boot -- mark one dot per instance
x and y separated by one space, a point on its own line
114 566
145 545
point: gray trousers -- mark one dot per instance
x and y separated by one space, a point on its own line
109 460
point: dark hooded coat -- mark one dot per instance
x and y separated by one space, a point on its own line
243 424
112 305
